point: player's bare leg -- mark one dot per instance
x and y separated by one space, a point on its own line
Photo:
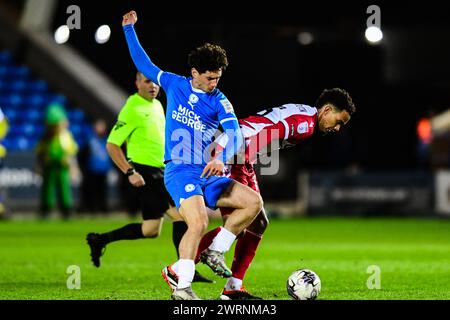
244 253
194 213
246 204
179 227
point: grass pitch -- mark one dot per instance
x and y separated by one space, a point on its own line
413 256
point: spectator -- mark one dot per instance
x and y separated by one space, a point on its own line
95 164
56 162
424 140
4 126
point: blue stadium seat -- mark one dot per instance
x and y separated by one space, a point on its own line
20 143
75 116
19 72
76 129
21 117
11 114
34 101
34 115
8 142
4 69
56 98
14 72
37 86
24 99
15 129
17 85
10 100
25 143
28 129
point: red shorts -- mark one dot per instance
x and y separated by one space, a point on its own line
243 173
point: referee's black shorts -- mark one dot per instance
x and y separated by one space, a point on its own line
154 198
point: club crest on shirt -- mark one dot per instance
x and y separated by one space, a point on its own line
303 127
119 124
193 98
227 106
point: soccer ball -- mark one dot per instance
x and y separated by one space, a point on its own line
303 284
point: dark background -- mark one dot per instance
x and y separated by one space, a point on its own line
392 84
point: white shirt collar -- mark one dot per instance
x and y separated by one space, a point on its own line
195 89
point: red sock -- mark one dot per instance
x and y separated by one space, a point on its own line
244 253
205 242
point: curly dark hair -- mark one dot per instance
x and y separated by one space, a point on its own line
338 98
209 57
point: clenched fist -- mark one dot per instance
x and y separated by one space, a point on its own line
129 18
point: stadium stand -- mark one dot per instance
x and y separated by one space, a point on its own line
24 97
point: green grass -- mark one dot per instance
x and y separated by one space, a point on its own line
413 255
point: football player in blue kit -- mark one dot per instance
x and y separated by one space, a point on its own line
195 108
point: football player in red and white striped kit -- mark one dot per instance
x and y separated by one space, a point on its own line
271 129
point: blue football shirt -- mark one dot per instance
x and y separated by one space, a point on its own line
193 116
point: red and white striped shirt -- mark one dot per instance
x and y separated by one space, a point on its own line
275 128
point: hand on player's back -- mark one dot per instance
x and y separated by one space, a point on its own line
129 18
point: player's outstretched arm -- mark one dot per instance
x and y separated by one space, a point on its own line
140 58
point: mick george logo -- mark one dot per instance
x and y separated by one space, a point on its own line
188 147
188 117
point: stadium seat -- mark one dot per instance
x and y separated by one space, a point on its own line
12 87
10 100
56 98
10 113
37 86
24 98
34 115
20 143
17 86
19 72
76 129
29 129
76 115
3 71
34 101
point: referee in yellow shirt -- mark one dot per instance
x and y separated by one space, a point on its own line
141 125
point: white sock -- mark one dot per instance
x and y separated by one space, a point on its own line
175 266
223 240
186 270
233 284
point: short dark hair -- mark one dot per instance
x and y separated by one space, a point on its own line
209 57
338 98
